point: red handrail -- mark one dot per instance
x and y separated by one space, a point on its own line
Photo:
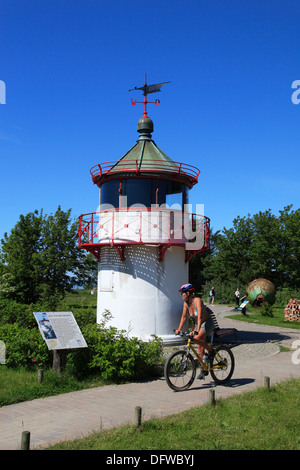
148 165
89 225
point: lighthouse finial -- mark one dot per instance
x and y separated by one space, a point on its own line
146 90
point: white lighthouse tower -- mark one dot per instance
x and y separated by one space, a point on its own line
143 235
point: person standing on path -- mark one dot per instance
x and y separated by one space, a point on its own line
237 297
212 295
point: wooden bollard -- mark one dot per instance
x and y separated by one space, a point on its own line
40 375
267 382
25 440
138 416
212 397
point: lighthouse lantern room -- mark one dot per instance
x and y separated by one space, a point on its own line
143 235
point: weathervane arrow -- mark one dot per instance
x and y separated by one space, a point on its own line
147 89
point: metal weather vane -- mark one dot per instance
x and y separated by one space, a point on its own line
147 89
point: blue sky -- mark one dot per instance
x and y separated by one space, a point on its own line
67 68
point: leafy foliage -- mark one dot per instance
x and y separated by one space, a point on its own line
24 347
111 354
115 356
12 312
40 259
19 255
258 246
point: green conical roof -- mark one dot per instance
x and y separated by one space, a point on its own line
145 154
146 159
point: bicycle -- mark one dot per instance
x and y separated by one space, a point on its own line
180 368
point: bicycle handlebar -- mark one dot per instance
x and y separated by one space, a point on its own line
184 334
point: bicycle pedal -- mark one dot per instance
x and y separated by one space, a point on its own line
202 375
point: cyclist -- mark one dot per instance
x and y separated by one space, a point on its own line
203 324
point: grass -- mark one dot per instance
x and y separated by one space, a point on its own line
17 385
81 298
259 420
254 316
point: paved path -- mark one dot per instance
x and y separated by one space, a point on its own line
76 414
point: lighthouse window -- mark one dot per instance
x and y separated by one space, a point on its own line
172 192
144 192
110 194
139 191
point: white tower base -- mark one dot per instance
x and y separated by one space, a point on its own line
141 292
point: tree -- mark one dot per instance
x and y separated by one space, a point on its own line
87 272
59 257
19 254
261 245
40 258
231 260
199 262
264 249
289 263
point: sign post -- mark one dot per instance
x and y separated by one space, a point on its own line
242 307
61 333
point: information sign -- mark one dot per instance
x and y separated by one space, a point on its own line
243 305
60 330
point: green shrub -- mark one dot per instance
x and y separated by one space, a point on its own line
83 315
111 354
266 310
24 347
22 314
114 356
13 312
283 295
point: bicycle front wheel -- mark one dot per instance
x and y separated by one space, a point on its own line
180 370
222 366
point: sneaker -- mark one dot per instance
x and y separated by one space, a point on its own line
202 374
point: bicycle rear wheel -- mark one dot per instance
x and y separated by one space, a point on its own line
180 370
222 366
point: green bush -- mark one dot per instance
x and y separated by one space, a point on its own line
266 310
13 312
114 356
111 354
22 314
83 315
24 347
283 295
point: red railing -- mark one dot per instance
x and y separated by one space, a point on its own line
140 226
174 169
